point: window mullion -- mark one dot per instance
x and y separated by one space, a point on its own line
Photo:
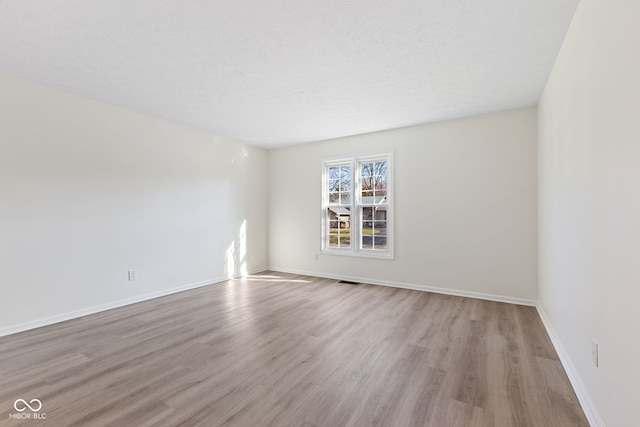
357 200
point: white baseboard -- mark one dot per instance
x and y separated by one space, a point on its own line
50 320
590 411
415 287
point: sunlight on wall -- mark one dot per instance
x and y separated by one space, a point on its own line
229 261
236 260
242 255
240 156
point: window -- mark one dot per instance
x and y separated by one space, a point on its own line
357 206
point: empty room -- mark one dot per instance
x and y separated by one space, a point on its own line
320 213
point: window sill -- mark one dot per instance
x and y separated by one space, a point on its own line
388 255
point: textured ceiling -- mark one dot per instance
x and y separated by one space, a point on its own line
280 72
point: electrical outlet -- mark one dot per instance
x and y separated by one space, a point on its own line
133 275
594 352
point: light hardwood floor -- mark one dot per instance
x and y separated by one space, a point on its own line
284 350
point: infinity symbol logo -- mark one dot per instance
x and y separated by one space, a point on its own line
24 405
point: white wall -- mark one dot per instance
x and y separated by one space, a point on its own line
589 181
465 206
89 191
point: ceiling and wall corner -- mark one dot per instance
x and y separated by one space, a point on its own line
280 72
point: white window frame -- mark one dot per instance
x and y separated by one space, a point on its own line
356 206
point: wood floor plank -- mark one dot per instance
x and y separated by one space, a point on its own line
277 349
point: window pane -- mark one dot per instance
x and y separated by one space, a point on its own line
380 168
380 228
339 179
366 170
374 228
381 213
345 198
381 182
367 183
380 242
368 227
380 196
334 197
374 182
366 239
345 177
367 214
339 232
334 173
